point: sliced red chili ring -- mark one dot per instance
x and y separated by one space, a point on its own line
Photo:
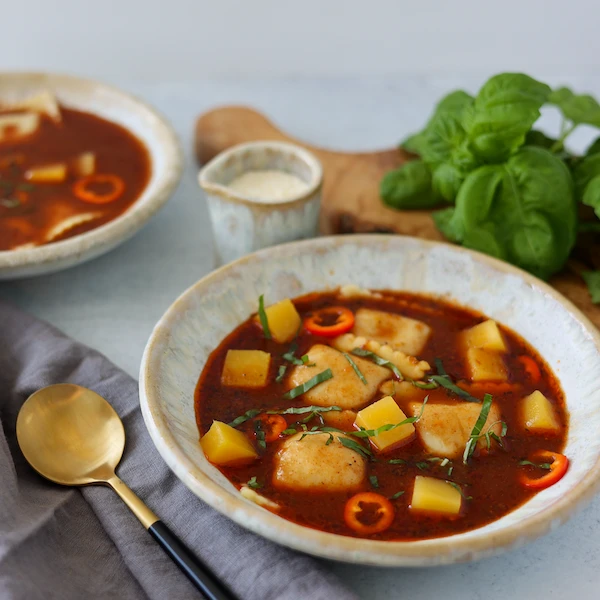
368 513
82 188
559 464
330 321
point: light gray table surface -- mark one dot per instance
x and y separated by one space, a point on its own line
113 302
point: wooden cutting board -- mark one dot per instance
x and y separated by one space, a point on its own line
351 202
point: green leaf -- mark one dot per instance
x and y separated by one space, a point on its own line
539 138
353 445
503 112
374 481
260 434
396 495
446 181
476 431
592 279
262 315
457 487
454 102
378 361
546 466
364 433
579 109
355 368
448 225
591 195
443 379
522 211
594 147
249 414
280 373
583 172
308 385
408 187
252 483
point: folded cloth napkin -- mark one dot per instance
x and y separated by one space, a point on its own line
83 543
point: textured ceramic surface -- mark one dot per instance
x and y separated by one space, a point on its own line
204 314
139 118
242 225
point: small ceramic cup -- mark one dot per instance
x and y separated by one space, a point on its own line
242 224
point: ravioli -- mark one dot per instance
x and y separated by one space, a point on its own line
404 334
313 464
444 429
344 389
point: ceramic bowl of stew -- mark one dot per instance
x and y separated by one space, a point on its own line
83 166
444 297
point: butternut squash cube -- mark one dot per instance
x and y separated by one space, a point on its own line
47 174
246 368
284 321
484 365
486 335
384 412
539 414
435 496
224 445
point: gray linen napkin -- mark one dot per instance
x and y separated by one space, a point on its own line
84 543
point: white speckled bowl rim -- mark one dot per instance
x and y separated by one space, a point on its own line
165 152
468 277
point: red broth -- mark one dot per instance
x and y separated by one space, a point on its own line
31 211
491 482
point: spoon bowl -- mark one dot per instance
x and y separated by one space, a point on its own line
71 435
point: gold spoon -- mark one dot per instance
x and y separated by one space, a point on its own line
73 436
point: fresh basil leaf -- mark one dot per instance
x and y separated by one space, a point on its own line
454 102
591 195
594 147
578 108
378 361
535 137
250 414
583 172
522 211
408 187
253 483
446 181
280 373
262 315
446 222
308 385
592 279
477 428
445 382
503 112
355 368
365 452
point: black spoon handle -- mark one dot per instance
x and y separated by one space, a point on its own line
197 572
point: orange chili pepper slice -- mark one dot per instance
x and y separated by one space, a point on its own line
330 321
82 191
368 513
559 464
531 367
273 426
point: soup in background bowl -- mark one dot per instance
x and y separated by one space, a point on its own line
83 166
535 321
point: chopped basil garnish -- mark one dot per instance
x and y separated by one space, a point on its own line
10 202
262 315
397 495
422 385
422 465
450 471
444 462
477 428
300 410
546 466
289 355
308 385
252 483
374 481
355 368
281 373
260 434
365 452
396 461
289 431
378 361
456 486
